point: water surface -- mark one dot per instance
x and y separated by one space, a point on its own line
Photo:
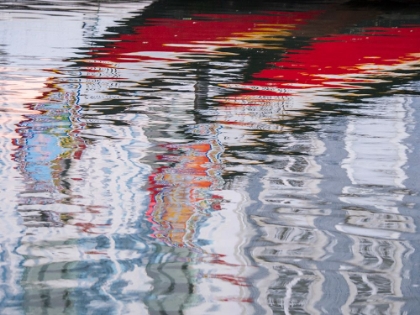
181 157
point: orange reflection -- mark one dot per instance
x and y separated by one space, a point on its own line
182 194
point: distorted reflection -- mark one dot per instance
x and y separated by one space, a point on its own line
184 158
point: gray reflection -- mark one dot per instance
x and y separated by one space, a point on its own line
411 277
376 157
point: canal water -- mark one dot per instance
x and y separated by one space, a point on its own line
209 157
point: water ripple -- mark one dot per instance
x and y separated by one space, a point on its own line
161 157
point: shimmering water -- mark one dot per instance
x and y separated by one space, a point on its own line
209 157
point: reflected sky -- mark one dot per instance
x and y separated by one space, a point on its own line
168 157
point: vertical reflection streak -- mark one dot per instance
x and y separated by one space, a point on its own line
376 157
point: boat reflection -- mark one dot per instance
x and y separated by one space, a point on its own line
207 160
187 191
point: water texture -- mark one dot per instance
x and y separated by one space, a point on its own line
221 157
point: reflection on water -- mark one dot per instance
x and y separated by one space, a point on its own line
167 157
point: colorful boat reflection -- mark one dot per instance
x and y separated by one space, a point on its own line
169 169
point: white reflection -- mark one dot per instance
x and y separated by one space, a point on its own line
375 167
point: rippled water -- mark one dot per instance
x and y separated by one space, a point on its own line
222 157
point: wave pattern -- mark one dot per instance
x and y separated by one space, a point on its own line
176 158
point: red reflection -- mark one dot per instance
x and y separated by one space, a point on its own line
336 61
201 33
235 299
238 281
